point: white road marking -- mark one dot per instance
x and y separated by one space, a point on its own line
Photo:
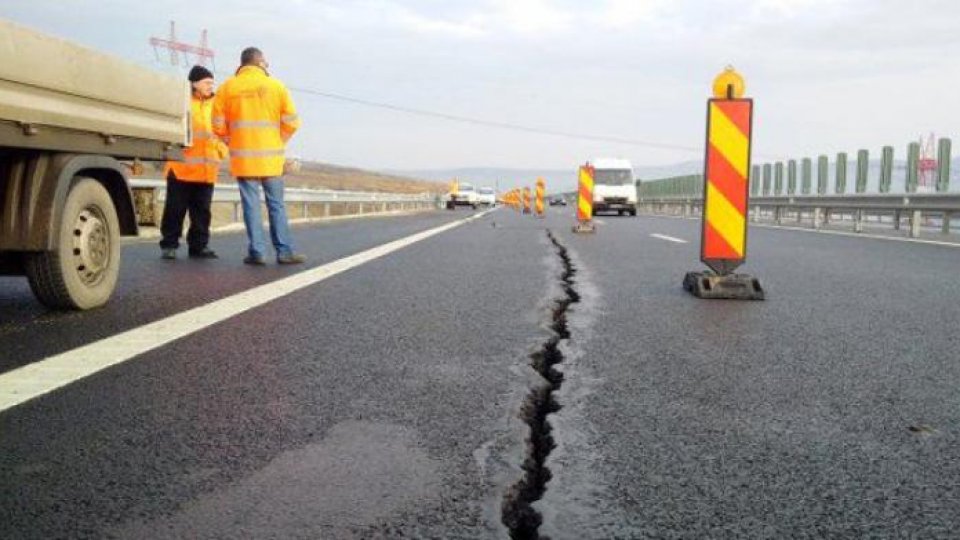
599 222
836 233
669 238
861 235
34 380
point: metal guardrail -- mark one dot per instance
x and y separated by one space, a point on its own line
821 209
149 192
781 189
231 193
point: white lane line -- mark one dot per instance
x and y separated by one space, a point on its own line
835 233
669 238
860 235
39 378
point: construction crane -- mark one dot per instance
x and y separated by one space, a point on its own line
202 53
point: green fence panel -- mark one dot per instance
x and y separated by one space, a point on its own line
886 169
778 178
806 174
863 169
943 165
913 167
823 164
766 179
840 186
792 177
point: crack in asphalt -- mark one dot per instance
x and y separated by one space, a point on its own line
517 512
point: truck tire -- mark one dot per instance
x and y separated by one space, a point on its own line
82 271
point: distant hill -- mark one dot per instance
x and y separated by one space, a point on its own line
325 176
316 175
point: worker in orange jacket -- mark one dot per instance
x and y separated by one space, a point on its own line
190 182
254 113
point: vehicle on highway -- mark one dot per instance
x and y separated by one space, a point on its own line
68 116
558 201
487 196
462 194
614 188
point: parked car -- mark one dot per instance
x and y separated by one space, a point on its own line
558 201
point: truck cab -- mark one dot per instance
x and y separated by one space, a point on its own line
614 189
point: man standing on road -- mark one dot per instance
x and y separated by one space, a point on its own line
190 182
255 115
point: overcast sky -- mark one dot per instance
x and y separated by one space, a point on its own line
827 75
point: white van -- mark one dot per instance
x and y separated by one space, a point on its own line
487 196
614 188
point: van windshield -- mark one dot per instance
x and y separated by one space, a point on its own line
613 177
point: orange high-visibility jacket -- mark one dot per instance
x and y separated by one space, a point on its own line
201 161
255 115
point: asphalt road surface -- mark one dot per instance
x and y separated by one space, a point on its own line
395 399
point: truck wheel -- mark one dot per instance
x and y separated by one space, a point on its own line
82 271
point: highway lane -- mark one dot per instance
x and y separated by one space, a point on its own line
150 289
384 402
830 410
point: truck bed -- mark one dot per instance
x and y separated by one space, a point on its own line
52 92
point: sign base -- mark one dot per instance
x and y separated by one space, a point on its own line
723 287
584 228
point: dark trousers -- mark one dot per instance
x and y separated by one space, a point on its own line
182 197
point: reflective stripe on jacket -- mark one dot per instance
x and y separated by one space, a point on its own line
201 161
254 113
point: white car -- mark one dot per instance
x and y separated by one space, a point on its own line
487 196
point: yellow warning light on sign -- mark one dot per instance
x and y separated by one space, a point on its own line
729 84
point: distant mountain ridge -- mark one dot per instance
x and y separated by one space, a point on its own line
561 180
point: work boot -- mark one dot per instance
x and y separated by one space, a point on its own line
205 253
291 258
254 260
168 254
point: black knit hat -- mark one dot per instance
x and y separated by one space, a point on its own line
199 73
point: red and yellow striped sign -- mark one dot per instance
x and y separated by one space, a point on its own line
726 184
541 191
526 200
585 194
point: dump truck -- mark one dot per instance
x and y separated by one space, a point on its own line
73 123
